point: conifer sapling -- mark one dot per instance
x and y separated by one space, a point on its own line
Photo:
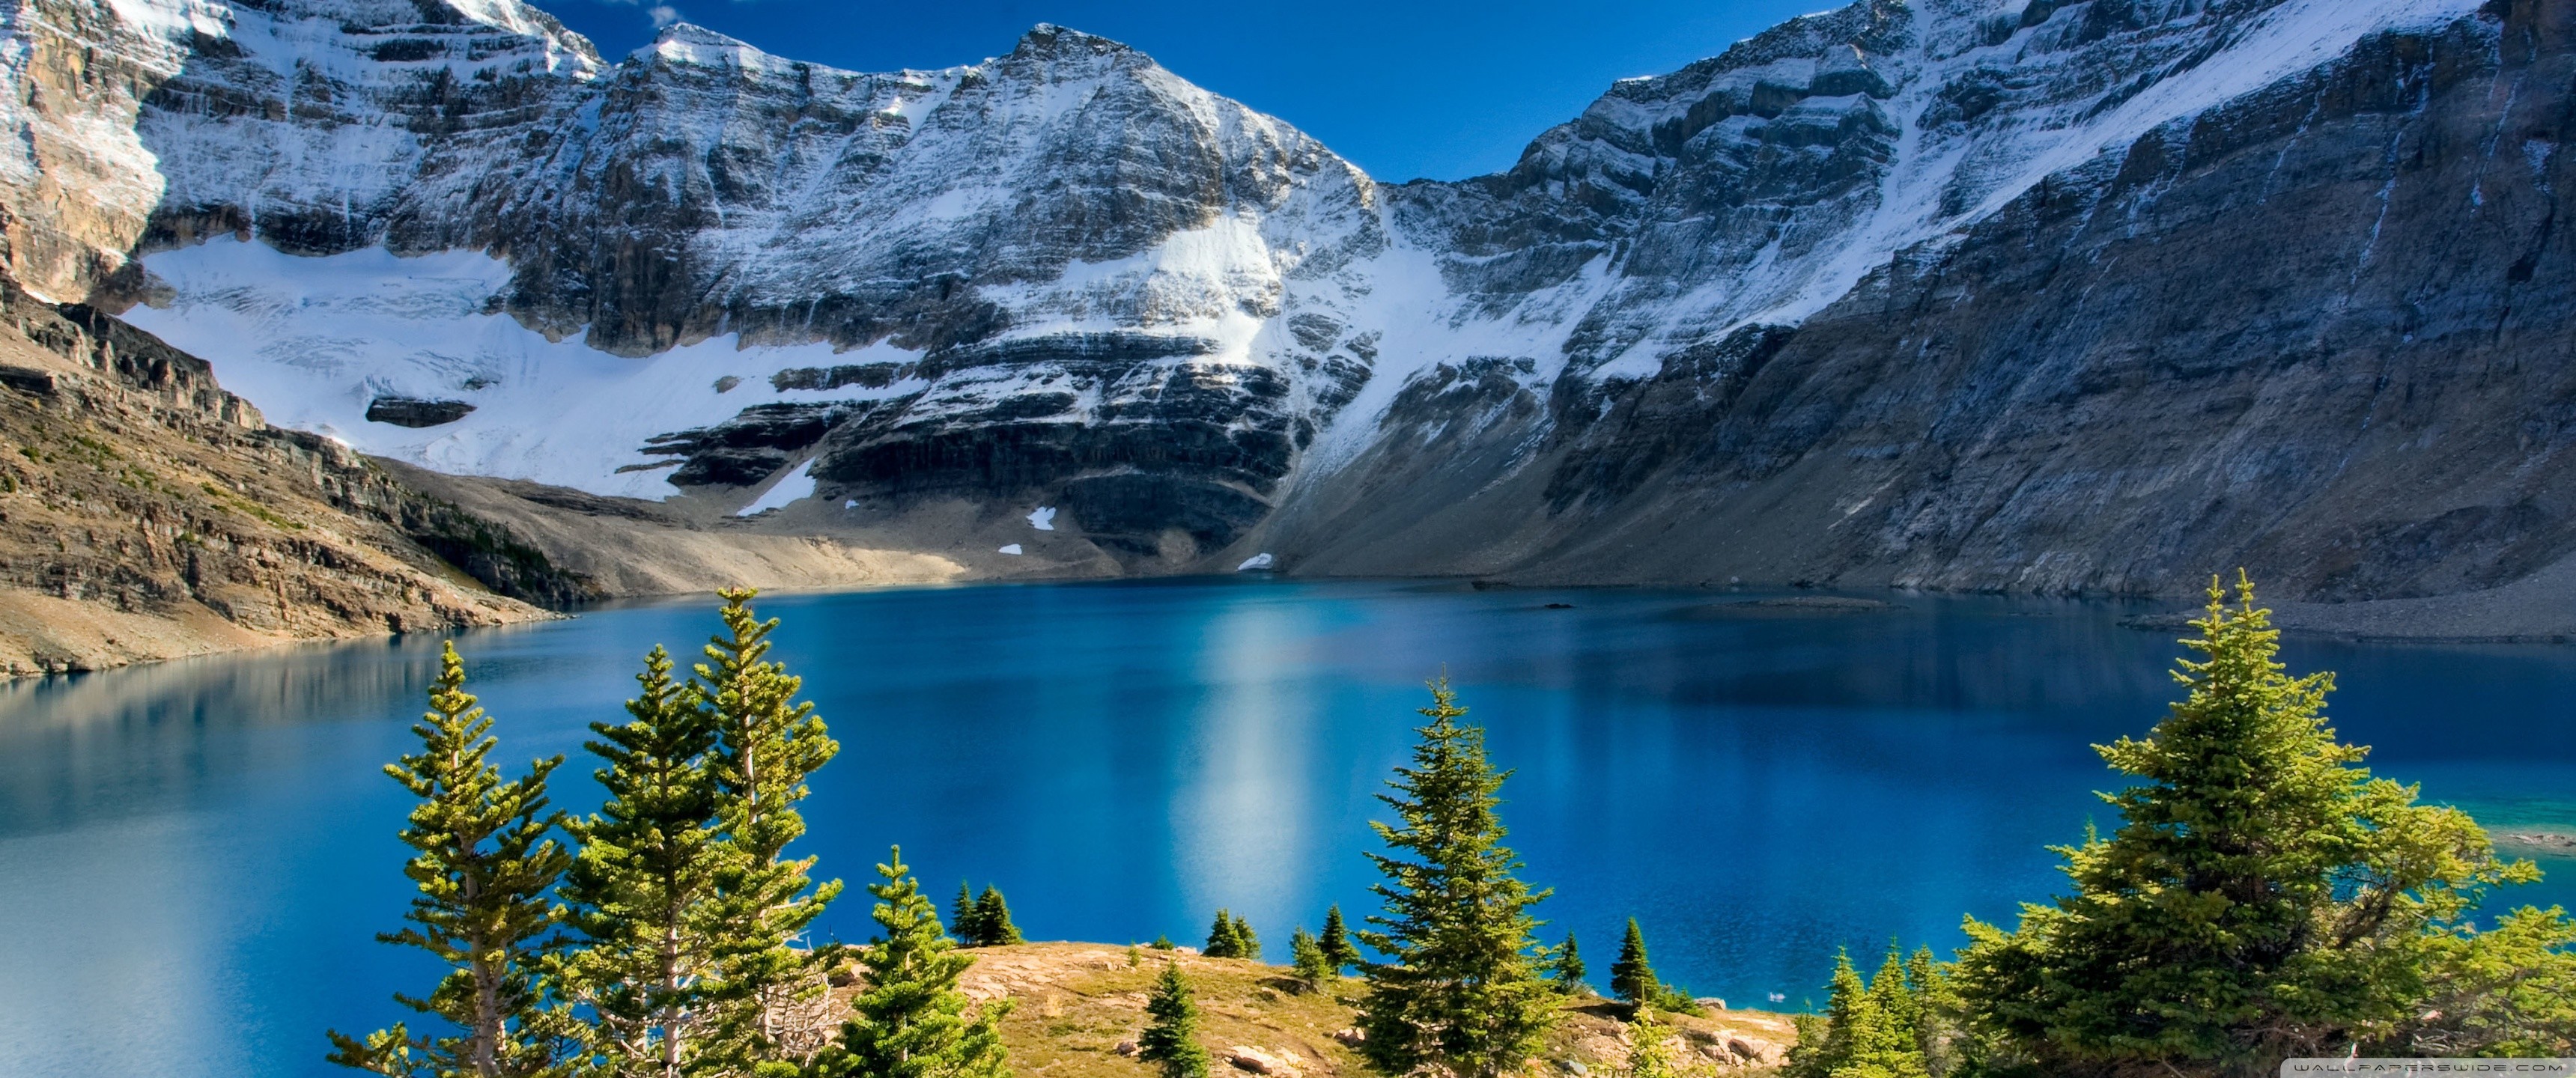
1632 977
1565 967
1336 941
1306 958
1171 1036
911 1022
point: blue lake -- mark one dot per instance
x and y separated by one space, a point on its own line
194 856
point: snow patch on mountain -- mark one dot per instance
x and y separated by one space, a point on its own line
315 341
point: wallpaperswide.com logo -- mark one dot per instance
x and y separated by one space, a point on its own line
2399 1068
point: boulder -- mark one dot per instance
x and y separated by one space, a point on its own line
1279 1064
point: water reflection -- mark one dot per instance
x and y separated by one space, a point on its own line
196 855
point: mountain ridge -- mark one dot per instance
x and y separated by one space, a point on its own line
1065 277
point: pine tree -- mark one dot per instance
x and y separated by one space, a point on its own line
1632 979
1648 1054
1825 1045
767 744
1336 941
1565 967
1460 991
2263 897
641 893
1246 943
1937 1031
1171 1036
1306 957
484 866
993 927
1884 1041
910 1021
1224 940
962 920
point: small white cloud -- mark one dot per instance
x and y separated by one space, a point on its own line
1012 549
1257 561
1044 519
663 15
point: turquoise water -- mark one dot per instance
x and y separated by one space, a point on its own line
194 856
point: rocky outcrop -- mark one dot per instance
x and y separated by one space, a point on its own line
146 513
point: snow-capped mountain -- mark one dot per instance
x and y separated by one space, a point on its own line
1955 292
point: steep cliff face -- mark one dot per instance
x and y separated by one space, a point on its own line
2314 329
146 513
1955 293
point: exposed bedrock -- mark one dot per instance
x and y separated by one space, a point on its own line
2063 296
2321 332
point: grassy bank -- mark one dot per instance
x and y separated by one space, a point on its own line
1075 1004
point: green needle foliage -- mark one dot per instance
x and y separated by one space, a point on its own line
911 1020
1336 941
1306 958
1231 937
1870 1029
2264 897
642 892
963 922
484 865
1632 978
1565 965
1171 1036
766 745
993 927
1461 991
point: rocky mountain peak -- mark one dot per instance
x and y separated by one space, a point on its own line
1067 277
696 46
1046 40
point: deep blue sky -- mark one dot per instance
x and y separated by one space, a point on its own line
1406 88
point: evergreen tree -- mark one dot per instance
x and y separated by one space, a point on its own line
1565 967
1171 1036
1884 1041
1306 957
767 744
1824 1041
2263 897
642 889
1246 943
1938 1031
483 865
1648 1054
1225 937
1632 979
963 922
1336 941
910 1021
1854 1037
993 927
1460 991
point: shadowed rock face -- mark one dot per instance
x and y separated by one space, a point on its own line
2318 332
1954 293
414 412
